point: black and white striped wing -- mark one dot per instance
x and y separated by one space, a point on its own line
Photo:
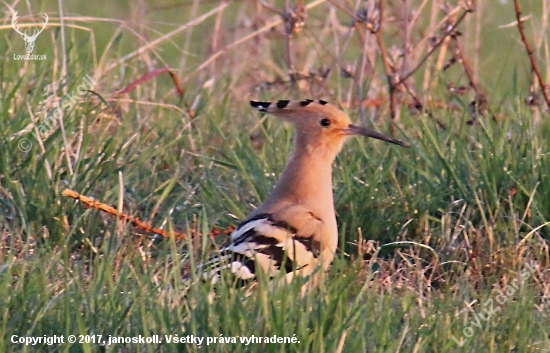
263 243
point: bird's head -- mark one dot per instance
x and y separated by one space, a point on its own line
320 126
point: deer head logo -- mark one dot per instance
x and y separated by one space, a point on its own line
29 40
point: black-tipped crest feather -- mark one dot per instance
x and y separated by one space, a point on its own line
282 103
262 106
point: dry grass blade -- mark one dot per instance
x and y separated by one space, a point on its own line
167 35
151 75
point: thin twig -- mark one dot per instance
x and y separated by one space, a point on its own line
427 72
481 98
530 54
434 48
360 79
477 38
385 61
289 19
406 36
261 30
351 14
420 107
346 40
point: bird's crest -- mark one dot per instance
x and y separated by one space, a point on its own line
269 107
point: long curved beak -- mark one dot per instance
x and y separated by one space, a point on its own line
361 131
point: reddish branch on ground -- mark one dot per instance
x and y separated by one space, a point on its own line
136 222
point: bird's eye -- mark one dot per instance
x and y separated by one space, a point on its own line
325 122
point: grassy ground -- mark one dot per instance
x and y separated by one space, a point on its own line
444 246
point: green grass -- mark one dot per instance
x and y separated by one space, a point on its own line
428 235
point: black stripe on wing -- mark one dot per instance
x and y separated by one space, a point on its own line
268 217
310 244
279 256
240 259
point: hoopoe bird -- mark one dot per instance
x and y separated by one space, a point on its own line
294 231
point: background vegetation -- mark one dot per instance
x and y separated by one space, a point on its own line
429 235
